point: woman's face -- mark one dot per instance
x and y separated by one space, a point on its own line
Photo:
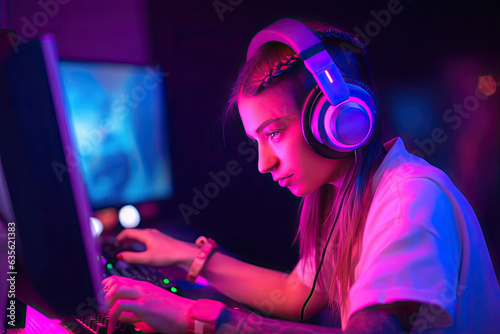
272 119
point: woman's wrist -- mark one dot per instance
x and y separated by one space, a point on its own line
190 252
182 320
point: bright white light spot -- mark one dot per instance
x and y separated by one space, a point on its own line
329 77
96 226
129 217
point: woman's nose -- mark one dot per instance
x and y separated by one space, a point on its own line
268 161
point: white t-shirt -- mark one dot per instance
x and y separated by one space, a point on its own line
422 242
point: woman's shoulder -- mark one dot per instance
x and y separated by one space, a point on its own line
408 192
399 166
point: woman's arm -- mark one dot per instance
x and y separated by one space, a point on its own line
393 318
143 302
271 292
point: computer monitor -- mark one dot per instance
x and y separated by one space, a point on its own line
118 113
59 269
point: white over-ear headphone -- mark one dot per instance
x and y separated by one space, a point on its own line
339 113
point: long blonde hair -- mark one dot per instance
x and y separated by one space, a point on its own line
319 209
318 213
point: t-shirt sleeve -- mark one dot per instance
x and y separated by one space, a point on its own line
411 252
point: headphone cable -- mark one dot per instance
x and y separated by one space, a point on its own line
328 242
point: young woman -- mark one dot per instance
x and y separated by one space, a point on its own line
387 241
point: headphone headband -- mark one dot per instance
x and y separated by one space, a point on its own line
312 51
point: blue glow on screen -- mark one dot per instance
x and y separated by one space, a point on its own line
118 116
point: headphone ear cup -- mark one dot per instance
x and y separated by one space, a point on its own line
334 132
314 107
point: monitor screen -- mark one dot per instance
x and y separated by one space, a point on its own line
118 115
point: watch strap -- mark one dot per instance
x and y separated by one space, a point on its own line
203 315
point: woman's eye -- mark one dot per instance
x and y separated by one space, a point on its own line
273 135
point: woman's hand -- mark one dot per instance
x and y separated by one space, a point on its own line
161 249
136 301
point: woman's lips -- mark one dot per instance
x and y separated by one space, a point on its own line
284 181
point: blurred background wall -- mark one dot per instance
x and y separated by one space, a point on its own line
428 61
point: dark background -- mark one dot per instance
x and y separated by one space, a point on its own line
425 59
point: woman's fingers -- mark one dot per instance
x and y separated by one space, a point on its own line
121 287
145 304
129 318
120 292
111 280
124 307
146 236
133 235
135 257
161 249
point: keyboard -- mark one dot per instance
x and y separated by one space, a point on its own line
113 266
98 323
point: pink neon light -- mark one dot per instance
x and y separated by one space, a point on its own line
329 77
